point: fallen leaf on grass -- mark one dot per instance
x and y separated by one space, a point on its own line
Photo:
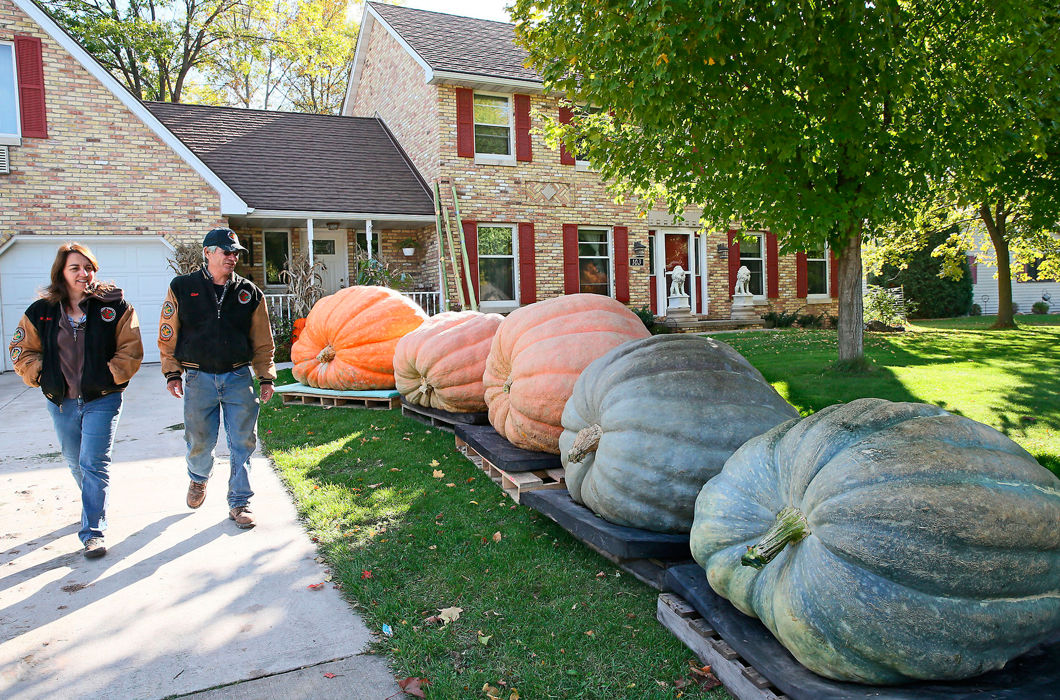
438 474
375 486
434 463
450 614
484 639
316 586
366 574
413 686
497 536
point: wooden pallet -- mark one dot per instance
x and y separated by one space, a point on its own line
739 677
443 420
513 483
378 403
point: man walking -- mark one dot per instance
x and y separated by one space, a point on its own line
215 328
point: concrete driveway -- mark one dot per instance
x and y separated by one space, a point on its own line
183 601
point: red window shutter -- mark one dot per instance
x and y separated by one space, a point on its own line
802 284
471 245
465 123
527 265
571 284
973 268
621 238
833 275
772 267
565 157
522 128
734 260
30 61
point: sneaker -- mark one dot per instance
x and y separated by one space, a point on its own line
196 493
94 548
242 516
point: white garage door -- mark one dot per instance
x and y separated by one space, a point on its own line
137 264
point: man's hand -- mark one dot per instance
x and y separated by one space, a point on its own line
266 392
175 387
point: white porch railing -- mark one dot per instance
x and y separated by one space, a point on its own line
281 306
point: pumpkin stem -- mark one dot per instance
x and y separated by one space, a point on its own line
508 386
326 355
425 388
789 528
586 442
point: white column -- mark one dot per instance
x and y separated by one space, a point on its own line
368 237
309 237
661 285
703 281
693 265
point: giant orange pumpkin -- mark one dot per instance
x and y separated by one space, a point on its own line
537 355
349 338
440 364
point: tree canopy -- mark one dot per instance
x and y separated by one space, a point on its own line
820 121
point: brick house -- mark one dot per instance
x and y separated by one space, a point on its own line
82 159
538 222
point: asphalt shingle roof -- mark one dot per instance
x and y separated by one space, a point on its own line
300 162
460 44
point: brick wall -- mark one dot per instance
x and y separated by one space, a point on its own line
101 170
544 192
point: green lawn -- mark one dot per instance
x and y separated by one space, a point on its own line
1007 379
409 527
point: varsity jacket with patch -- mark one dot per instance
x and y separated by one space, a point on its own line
200 331
113 350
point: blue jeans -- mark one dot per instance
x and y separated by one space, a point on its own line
86 435
208 397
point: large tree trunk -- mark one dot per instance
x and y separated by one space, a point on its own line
997 227
851 303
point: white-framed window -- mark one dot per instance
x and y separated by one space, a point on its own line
581 161
493 128
498 285
594 261
817 271
753 257
277 251
10 132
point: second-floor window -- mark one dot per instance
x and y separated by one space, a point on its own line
594 261
8 94
816 270
493 125
753 257
496 263
581 150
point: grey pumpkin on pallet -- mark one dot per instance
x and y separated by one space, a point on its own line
887 542
648 423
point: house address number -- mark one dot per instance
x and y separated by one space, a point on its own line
636 262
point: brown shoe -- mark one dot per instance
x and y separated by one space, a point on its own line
242 516
196 493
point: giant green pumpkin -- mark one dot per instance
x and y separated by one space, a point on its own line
652 420
885 542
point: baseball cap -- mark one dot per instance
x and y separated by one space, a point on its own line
223 238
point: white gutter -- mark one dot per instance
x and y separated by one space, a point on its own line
332 215
476 79
231 203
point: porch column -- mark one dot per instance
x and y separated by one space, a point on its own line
661 285
309 236
368 237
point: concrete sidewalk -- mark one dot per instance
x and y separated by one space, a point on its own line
183 601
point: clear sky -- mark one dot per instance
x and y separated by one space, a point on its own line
483 9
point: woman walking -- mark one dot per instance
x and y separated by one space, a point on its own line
80 343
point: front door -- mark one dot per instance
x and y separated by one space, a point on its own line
329 247
670 249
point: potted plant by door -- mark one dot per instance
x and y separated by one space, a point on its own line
408 246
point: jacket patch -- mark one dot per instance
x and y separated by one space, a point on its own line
195 294
244 297
18 336
165 332
15 354
168 309
108 314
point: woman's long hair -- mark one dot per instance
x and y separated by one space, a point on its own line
56 292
